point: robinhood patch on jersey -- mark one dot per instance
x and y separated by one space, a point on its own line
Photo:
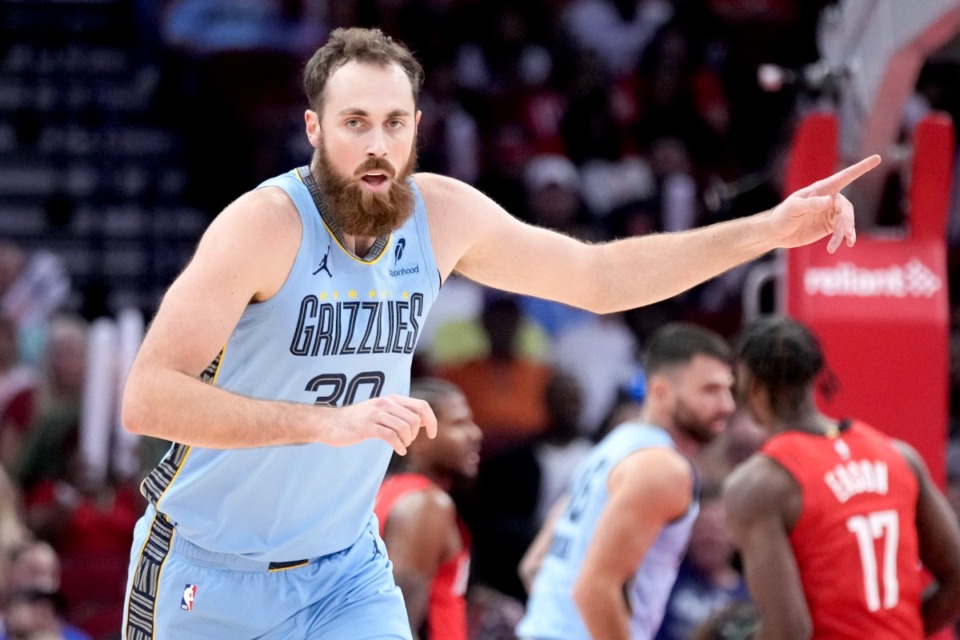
403 263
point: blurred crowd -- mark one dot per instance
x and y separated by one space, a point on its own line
601 118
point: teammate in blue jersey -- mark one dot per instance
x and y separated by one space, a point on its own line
279 360
604 566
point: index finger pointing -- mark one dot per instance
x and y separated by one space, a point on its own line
842 178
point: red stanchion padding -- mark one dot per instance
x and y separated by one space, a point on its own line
880 310
931 176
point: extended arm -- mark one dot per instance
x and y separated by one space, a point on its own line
537 551
648 489
939 536
420 534
760 498
474 236
245 256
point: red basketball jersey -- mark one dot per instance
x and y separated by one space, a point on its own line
447 610
856 540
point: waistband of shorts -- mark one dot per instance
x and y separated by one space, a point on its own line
183 547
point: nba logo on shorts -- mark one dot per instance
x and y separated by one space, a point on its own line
189 593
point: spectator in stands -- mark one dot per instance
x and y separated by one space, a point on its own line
504 389
507 392
89 520
32 293
34 608
601 354
57 413
562 445
456 334
18 384
237 63
13 530
617 31
554 200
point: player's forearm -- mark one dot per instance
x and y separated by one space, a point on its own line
173 406
533 558
941 606
643 270
416 596
778 624
603 610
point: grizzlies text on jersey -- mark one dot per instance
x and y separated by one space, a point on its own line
340 330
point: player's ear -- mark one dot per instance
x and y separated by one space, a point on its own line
314 131
658 387
757 400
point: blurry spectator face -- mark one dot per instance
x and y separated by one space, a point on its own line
67 356
35 568
31 617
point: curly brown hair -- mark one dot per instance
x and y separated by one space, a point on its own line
361 45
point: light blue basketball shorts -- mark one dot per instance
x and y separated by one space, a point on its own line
178 591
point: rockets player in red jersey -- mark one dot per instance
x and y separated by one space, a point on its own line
833 519
426 540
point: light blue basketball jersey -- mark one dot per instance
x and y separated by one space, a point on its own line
551 612
340 330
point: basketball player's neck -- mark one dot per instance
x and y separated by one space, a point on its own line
358 245
685 443
800 414
442 479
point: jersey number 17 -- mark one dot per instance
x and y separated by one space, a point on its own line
881 526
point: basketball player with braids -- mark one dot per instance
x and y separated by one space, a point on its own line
832 517
279 360
427 542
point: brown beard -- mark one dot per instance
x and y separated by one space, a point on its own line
360 212
697 428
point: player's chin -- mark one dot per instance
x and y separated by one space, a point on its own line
713 431
470 466
718 431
